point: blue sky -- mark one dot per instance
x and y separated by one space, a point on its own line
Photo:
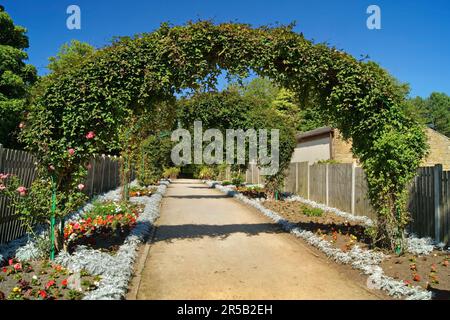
413 43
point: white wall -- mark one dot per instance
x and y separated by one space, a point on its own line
312 150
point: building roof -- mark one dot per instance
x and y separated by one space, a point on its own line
312 133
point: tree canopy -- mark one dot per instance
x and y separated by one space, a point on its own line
16 78
433 111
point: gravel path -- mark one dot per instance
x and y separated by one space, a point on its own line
209 246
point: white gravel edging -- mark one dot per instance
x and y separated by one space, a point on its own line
414 245
367 261
116 270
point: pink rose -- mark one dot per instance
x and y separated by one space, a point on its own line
22 190
71 151
2 187
18 266
3 176
90 135
22 125
81 186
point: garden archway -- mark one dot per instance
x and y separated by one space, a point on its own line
362 100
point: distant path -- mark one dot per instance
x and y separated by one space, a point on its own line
209 246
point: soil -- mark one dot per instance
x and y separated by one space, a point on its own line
45 272
105 242
344 234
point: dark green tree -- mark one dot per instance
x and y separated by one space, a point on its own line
16 78
433 111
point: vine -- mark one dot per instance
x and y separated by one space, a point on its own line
362 100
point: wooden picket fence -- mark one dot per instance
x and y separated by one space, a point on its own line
344 186
103 175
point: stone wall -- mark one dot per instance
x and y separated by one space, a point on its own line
439 150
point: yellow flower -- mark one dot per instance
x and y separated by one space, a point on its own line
16 290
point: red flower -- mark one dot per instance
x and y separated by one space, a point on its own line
43 294
10 262
416 278
64 283
49 284
22 191
18 266
5 269
71 151
90 135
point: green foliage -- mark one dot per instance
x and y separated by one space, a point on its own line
70 56
206 173
171 173
433 111
237 179
153 157
328 161
226 183
16 78
360 98
312 212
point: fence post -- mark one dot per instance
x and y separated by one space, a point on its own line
327 186
93 176
308 175
437 179
353 187
296 178
1 157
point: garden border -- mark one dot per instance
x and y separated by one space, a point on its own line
366 261
116 271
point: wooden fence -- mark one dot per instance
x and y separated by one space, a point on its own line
103 176
344 186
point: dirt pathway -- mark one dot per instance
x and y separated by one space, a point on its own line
209 246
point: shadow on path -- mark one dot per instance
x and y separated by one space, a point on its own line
200 196
192 231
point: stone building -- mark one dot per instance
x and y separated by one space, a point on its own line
327 144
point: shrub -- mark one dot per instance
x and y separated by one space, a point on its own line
226 183
312 212
171 172
237 179
206 173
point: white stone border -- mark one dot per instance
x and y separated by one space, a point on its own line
367 261
116 270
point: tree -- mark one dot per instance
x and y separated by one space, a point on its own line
438 106
70 57
433 111
16 78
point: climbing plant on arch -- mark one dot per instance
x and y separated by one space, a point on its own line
132 74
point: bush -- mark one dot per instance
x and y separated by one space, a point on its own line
171 173
237 179
206 173
226 183
312 212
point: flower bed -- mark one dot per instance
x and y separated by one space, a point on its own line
117 269
253 192
111 272
137 191
104 227
43 280
366 260
431 272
